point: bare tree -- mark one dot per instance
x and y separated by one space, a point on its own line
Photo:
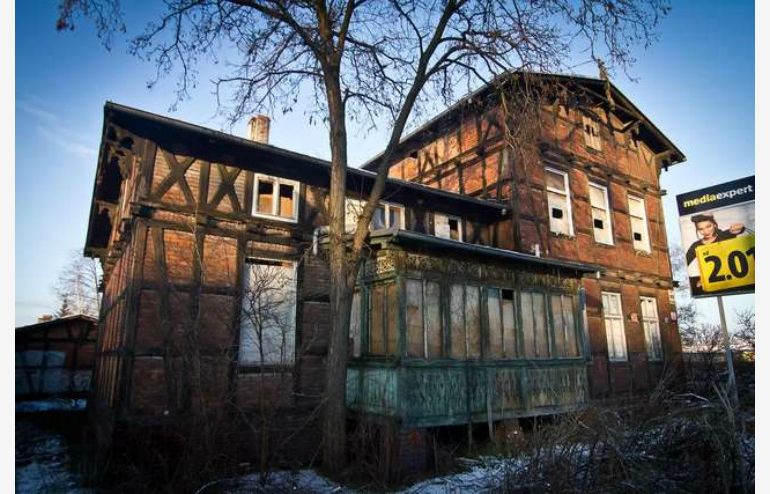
373 63
77 287
745 336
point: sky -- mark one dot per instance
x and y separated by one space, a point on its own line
696 84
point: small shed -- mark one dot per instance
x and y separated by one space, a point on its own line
55 357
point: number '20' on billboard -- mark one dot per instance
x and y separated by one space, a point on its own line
717 225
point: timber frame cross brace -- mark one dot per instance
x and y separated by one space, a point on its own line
176 176
227 188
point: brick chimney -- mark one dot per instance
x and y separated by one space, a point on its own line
259 129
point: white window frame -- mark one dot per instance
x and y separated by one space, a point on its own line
277 182
386 207
614 354
565 193
644 244
651 327
244 360
356 206
607 211
593 138
449 235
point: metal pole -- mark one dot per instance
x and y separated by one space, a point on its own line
731 385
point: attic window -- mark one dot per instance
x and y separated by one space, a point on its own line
447 227
275 198
591 133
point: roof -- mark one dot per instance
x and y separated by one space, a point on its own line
408 237
648 131
265 158
55 322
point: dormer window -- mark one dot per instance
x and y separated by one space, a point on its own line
591 133
445 226
275 198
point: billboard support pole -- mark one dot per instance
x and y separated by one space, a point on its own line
731 384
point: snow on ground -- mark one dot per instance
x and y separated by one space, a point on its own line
481 475
43 459
51 405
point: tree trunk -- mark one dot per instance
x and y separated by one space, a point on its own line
334 440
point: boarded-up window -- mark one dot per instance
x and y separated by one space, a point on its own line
268 313
392 319
473 321
509 325
415 336
423 319
500 308
534 327
377 320
564 328
495 318
355 324
265 196
457 321
465 317
432 311
275 197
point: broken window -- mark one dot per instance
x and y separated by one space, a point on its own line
385 216
636 212
651 328
591 133
600 212
447 227
275 197
613 324
268 313
557 188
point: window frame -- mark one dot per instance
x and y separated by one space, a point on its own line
566 194
647 248
645 320
356 206
386 211
449 217
591 133
607 210
277 182
612 356
269 365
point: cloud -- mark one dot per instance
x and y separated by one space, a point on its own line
54 129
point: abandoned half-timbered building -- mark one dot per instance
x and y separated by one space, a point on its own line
490 291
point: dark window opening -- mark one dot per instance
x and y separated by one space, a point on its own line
637 237
599 224
507 294
454 229
557 213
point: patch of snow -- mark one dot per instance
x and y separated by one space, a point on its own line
51 405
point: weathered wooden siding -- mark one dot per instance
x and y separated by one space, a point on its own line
428 394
